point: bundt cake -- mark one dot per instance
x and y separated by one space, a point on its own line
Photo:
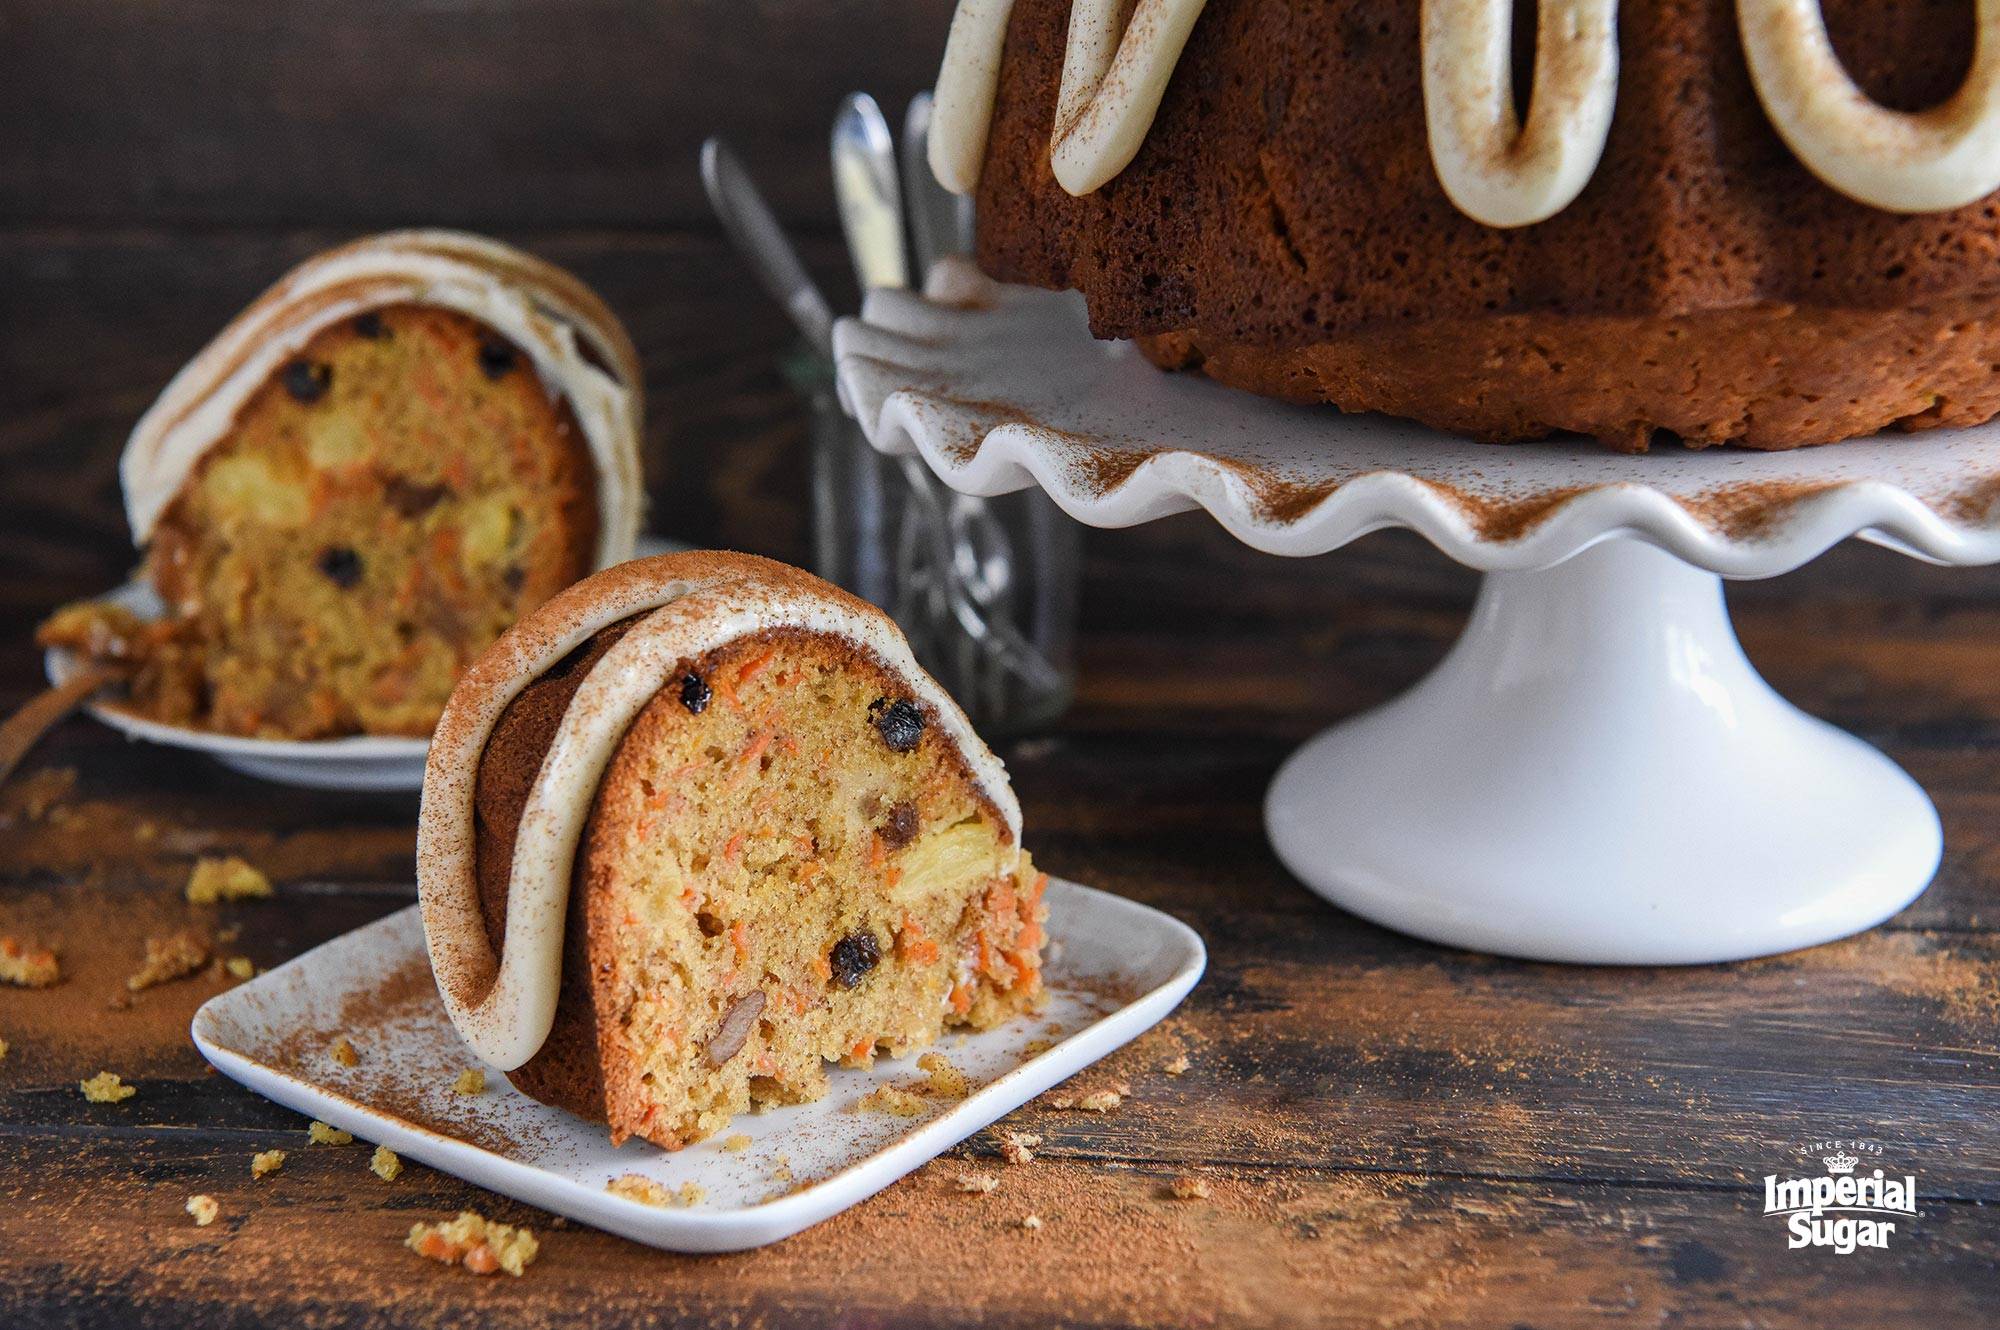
1759 222
369 474
698 827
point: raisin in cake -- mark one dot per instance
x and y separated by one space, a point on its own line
397 450
1761 222
699 827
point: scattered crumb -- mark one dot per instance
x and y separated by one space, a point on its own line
1100 1101
322 1134
343 1051
475 1242
240 967
1033 1223
1018 1147
946 1079
636 1187
891 1099
204 1209
26 964
1034 1048
225 879
170 956
977 1182
266 1161
385 1164
3 1048
783 1172
106 1088
1178 1066
1187 1187
737 1144
470 1081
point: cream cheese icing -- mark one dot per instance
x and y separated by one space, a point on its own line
1493 169
504 1006
579 350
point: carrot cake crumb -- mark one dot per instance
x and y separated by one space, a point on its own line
106 1088
1178 1066
1187 1187
977 1182
3 1048
1033 1223
266 1161
226 879
1018 1147
385 1164
470 1081
637 1187
170 956
946 1079
204 1209
737 1144
240 967
323 1134
343 1051
475 1242
891 1099
1034 1048
27 965
693 1193
1100 1101
783 1172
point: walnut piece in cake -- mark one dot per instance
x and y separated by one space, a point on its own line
475 1242
385 1164
170 956
470 1081
266 1161
204 1209
226 879
106 1088
324 1134
27 965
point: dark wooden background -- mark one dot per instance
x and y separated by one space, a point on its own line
1394 1133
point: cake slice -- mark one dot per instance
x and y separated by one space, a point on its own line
378 466
699 828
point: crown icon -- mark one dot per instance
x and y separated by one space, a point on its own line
1840 1162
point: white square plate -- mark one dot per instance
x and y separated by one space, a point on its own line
1114 969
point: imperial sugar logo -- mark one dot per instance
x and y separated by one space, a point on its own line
1842 1200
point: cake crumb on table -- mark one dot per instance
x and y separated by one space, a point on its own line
106 1088
1033 1223
977 1182
736 1144
3 1048
204 1209
226 878
1018 1147
266 1161
324 1134
1177 1065
1187 1187
475 1242
1100 1101
170 956
945 1079
240 967
891 1099
470 1081
385 1165
343 1052
27 965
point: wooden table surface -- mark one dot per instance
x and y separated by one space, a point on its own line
1392 1133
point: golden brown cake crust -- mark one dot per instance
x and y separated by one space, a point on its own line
1283 222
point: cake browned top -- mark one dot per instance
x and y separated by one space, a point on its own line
665 611
1285 190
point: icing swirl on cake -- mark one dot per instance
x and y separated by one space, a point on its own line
691 604
1491 167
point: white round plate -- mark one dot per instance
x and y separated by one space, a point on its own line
363 762
1595 773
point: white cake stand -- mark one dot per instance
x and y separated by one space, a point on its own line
1595 773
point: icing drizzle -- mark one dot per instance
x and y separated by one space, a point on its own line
1494 169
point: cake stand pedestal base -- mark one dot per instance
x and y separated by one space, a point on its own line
1597 774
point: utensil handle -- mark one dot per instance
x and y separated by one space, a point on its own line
22 730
